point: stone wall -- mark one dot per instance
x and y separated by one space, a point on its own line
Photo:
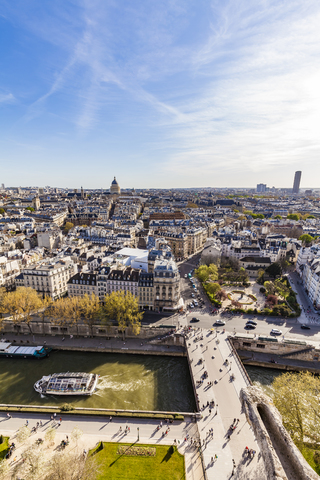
282 459
296 350
154 334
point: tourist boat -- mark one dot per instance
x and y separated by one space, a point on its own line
8 350
68 383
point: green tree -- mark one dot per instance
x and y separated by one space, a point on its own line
31 209
306 239
21 305
2 211
68 227
293 216
274 270
297 397
213 288
278 217
124 308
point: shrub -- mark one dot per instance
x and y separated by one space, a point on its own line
316 457
262 290
250 310
67 407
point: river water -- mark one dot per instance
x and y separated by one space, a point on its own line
142 382
263 377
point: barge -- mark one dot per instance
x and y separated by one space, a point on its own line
69 383
8 350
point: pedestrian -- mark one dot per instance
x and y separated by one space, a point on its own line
120 429
67 438
110 419
51 418
54 416
40 423
60 419
27 422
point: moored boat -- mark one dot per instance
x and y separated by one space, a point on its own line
68 383
8 350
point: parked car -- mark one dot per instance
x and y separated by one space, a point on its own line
249 326
219 322
194 319
305 327
195 303
192 295
275 331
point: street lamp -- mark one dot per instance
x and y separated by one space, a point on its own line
138 434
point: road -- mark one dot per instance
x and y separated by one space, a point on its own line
291 327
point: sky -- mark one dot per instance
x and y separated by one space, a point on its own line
172 93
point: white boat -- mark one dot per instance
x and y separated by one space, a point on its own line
69 383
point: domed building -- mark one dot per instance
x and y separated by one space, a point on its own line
115 189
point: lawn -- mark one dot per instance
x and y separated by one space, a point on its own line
166 464
4 446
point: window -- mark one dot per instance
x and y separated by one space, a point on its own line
260 346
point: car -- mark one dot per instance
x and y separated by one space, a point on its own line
195 303
186 276
305 327
219 322
194 319
192 295
191 305
249 326
252 322
275 331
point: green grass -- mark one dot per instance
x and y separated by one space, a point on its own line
4 447
308 452
168 464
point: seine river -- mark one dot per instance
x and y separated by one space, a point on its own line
142 382
263 377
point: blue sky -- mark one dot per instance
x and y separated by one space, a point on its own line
161 94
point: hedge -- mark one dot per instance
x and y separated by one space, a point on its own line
93 412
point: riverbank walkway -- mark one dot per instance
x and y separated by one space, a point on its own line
228 445
97 429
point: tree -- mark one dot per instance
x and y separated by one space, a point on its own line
297 397
31 209
293 216
306 239
123 307
274 270
70 465
205 273
90 309
68 227
278 217
4 469
34 463
2 211
221 295
23 434
282 288
76 434
47 303
272 300
29 303
50 435
213 288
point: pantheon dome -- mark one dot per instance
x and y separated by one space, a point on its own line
114 188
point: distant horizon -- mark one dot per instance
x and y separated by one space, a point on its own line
170 94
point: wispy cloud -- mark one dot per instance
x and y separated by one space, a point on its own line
6 98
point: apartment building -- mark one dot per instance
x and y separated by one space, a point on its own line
82 284
50 277
166 285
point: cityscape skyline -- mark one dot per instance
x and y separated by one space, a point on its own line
174 95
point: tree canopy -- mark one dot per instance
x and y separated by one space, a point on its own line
297 397
207 272
293 216
274 270
306 239
124 308
68 227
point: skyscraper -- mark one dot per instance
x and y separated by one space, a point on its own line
296 182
